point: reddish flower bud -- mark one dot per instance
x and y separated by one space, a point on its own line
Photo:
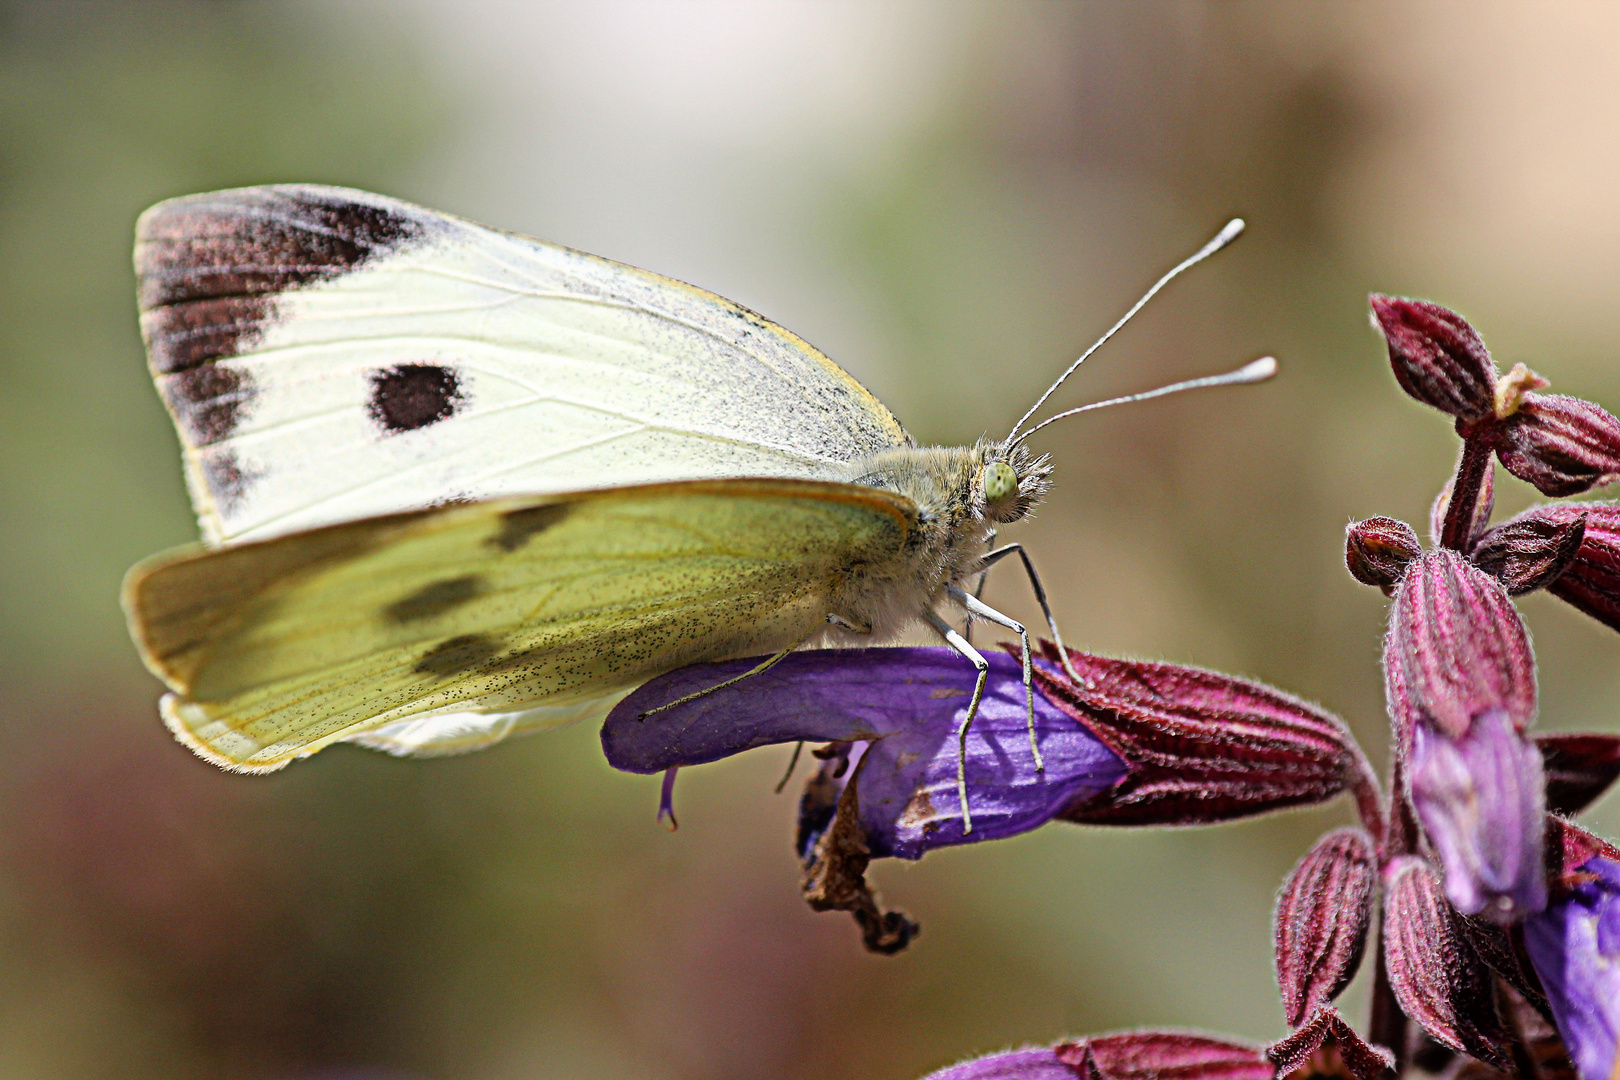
1591 582
1200 747
1436 356
1562 445
1579 768
1164 1055
1329 1047
1456 648
1322 917
1378 549
1438 979
1529 551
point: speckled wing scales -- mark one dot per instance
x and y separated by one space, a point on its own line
330 355
445 629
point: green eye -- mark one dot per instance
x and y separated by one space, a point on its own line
1000 482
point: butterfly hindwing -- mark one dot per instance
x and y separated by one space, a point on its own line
561 603
330 355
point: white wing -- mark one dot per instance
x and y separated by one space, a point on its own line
329 354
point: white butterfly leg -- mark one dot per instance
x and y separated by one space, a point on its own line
978 588
960 644
833 619
978 607
1040 595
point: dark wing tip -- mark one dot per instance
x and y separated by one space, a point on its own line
208 267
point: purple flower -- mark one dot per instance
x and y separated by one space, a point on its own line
1136 744
1461 683
1033 1064
1130 1055
904 705
1481 799
1574 946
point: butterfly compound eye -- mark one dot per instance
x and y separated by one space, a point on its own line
1000 482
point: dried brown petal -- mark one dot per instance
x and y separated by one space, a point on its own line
1456 648
1579 768
1164 1055
1321 923
1436 356
1377 550
1202 747
1328 1047
835 867
1438 979
1562 445
1529 551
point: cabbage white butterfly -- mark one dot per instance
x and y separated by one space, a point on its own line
456 483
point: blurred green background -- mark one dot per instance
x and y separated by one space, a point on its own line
950 198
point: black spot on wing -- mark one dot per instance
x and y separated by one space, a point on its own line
458 655
519 526
411 396
209 267
208 402
227 478
434 599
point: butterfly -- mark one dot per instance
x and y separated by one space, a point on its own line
455 483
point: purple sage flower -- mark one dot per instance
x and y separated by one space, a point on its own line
903 706
1481 799
1461 683
1041 1063
1574 946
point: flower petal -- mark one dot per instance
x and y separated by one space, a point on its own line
1033 1064
1574 946
1482 801
907 704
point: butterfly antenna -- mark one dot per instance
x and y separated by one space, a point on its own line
1227 234
1255 371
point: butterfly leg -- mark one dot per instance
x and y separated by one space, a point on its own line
766 665
960 644
977 607
1040 595
978 590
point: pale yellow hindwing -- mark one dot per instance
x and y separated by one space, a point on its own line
277 649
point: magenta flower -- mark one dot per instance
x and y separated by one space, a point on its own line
1574 945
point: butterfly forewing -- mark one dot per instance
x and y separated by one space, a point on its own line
275 649
330 355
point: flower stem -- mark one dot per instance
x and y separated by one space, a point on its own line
1458 530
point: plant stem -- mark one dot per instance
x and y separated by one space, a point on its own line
1458 530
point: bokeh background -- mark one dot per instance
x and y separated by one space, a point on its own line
950 198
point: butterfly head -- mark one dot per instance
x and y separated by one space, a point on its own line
1011 480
